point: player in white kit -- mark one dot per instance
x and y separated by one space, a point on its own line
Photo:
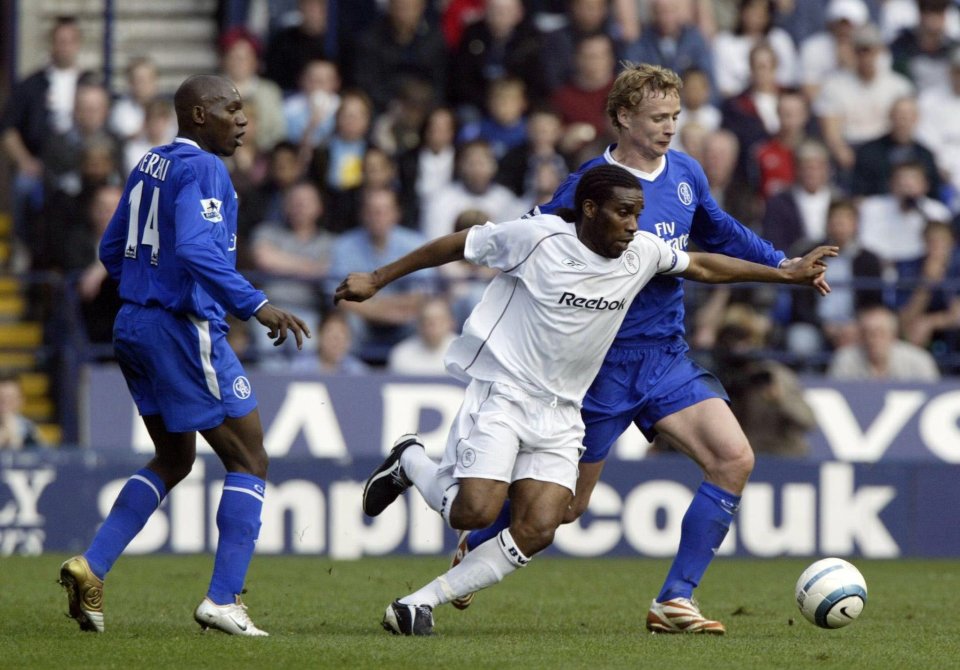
529 351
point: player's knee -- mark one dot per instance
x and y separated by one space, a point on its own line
734 469
532 537
173 468
471 514
575 510
258 463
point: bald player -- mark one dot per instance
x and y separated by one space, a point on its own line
172 247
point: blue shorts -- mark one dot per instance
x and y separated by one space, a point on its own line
641 385
181 368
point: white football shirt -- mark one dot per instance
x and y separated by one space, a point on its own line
545 323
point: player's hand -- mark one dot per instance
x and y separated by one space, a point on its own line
357 287
280 321
810 269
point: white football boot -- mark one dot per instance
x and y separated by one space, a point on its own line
231 619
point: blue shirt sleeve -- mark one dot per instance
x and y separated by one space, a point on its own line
201 253
716 231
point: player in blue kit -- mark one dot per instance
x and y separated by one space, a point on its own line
647 377
172 246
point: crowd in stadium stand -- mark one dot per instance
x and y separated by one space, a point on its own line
385 123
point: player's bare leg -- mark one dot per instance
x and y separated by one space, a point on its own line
83 576
708 433
538 507
239 444
586 482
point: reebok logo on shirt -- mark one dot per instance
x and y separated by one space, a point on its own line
601 304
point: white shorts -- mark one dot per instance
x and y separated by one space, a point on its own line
506 434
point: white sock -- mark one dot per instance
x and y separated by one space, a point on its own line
485 566
422 471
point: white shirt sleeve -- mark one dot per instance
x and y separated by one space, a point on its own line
671 261
505 246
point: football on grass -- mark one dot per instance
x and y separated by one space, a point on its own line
831 593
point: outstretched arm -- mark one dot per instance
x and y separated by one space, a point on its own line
359 286
718 269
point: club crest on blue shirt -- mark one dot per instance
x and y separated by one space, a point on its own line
631 261
242 388
211 209
685 193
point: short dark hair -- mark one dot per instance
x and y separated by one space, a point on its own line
598 182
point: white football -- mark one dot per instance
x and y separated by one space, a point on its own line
831 593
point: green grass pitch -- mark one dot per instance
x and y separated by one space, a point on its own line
556 613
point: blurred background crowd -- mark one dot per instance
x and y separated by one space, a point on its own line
376 125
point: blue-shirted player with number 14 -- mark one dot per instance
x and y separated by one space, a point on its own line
172 246
647 378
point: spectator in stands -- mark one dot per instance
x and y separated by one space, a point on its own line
672 40
695 106
240 62
455 16
475 188
333 356
63 153
720 154
380 171
931 314
422 353
939 126
380 323
466 282
731 49
398 129
875 159
157 131
128 114
264 201
98 293
503 125
765 395
39 108
76 161
800 212
338 166
310 111
248 166
296 253
429 168
922 53
854 107
398 46
65 213
291 48
772 165
501 44
584 18
855 273
581 99
831 50
518 169
17 432
752 115
892 224
880 354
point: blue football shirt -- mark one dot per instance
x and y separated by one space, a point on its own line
172 242
678 208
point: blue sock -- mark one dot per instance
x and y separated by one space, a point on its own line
238 520
701 533
139 497
478 537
